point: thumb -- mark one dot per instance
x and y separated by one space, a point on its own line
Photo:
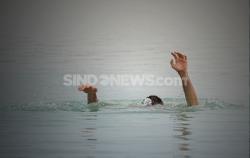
172 62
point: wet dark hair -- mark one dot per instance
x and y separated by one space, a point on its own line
155 99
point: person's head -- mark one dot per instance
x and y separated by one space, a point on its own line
153 100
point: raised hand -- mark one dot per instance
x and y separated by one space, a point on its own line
87 88
91 92
179 63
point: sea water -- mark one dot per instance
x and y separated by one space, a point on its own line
42 42
125 129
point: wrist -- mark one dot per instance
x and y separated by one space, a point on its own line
183 74
91 93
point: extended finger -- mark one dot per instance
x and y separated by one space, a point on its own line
185 57
181 55
172 62
87 86
174 55
81 87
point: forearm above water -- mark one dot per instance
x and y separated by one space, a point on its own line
189 90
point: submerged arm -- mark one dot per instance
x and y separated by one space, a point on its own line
179 63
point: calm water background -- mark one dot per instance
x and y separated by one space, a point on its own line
41 41
212 130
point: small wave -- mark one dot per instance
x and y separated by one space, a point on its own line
171 104
46 106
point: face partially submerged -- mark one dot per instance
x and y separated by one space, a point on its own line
152 100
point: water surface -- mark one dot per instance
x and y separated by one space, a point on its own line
122 129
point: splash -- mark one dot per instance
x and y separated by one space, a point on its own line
171 105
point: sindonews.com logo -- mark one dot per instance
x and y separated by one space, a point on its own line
120 80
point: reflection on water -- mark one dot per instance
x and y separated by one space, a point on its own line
89 132
126 133
183 133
